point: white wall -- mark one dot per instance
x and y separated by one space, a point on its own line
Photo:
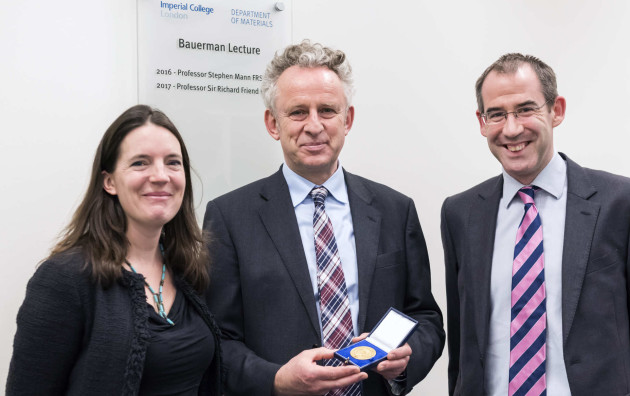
69 68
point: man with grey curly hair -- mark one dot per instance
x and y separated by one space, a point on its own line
310 55
310 258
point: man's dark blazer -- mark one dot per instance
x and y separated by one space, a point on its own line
595 262
261 291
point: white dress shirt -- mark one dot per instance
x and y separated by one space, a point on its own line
551 202
338 211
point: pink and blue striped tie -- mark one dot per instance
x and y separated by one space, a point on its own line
337 327
529 315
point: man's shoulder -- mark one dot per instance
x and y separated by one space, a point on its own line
607 180
482 189
601 181
356 182
249 191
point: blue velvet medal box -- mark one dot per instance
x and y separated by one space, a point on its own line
390 332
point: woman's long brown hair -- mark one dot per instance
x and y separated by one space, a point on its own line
98 226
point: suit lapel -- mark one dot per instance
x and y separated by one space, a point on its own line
482 227
278 216
581 218
366 222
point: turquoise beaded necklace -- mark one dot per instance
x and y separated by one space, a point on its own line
157 297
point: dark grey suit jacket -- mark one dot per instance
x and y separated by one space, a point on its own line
594 282
261 291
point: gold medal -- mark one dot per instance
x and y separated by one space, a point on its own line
363 353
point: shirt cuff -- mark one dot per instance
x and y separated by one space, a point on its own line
398 384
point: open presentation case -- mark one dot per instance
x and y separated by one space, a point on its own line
390 332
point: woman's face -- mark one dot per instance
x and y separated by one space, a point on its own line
149 177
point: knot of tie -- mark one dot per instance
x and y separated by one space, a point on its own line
319 195
527 194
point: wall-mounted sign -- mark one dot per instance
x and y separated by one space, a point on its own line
201 63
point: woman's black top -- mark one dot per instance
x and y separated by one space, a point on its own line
177 356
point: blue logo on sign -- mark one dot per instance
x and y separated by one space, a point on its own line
175 8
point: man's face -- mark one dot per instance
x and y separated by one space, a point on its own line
524 145
311 120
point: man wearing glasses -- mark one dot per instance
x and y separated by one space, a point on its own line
537 257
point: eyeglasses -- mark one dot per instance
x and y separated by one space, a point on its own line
498 117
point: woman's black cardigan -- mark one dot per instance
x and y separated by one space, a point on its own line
77 338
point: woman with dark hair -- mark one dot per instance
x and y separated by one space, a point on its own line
116 307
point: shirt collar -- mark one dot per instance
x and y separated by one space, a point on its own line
551 179
300 188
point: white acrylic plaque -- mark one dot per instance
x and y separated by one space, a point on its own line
201 63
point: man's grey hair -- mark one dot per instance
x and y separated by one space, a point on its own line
306 54
509 64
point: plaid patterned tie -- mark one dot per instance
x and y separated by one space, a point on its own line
337 328
529 315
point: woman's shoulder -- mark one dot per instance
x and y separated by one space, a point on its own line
60 290
67 270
